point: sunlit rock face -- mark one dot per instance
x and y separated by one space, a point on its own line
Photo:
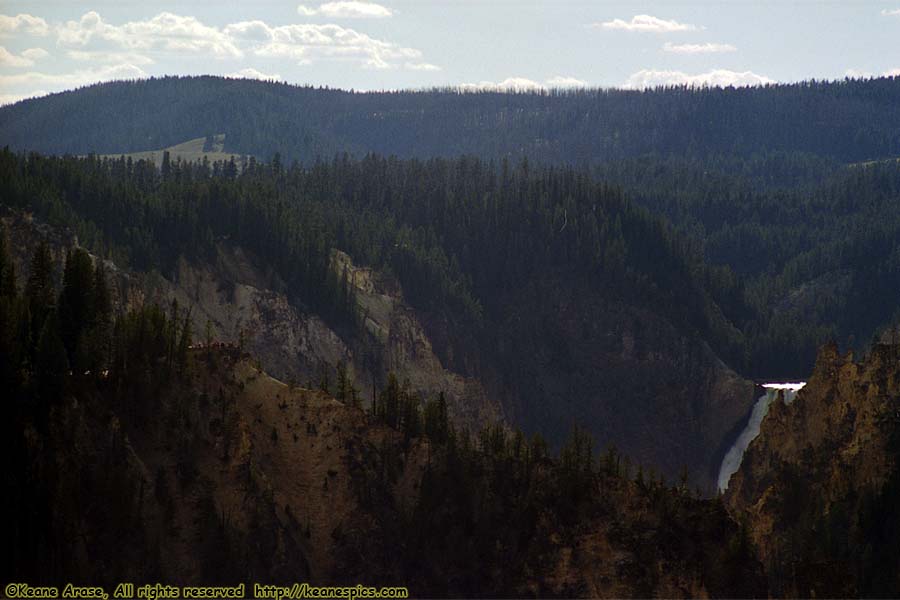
243 300
821 482
733 457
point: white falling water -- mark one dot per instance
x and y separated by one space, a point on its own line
733 458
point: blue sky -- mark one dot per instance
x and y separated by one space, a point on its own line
54 45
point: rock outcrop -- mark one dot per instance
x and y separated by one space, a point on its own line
225 476
229 476
243 300
565 354
819 487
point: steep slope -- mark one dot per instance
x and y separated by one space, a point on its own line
226 476
564 356
820 487
245 302
578 355
213 472
262 118
465 271
815 243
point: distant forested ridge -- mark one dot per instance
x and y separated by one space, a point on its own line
851 120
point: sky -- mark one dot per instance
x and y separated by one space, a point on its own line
48 46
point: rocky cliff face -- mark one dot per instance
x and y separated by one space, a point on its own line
230 475
565 355
392 326
227 476
819 486
242 299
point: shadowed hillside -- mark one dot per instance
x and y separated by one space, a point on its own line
845 120
538 288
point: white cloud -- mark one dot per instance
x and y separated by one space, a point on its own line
510 84
38 83
79 33
166 31
306 43
892 73
352 9
648 78
646 24
23 23
25 59
35 53
251 73
118 51
566 82
8 59
13 98
522 84
421 67
65 81
891 13
100 57
303 43
708 48
255 31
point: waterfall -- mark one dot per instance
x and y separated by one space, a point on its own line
735 454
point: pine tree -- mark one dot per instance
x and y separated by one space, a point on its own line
435 419
7 269
11 314
324 383
99 336
345 391
412 416
166 168
184 344
39 291
209 341
102 297
389 401
76 307
172 333
51 363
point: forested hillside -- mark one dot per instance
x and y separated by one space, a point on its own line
815 244
549 287
576 282
793 188
852 120
222 474
699 226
